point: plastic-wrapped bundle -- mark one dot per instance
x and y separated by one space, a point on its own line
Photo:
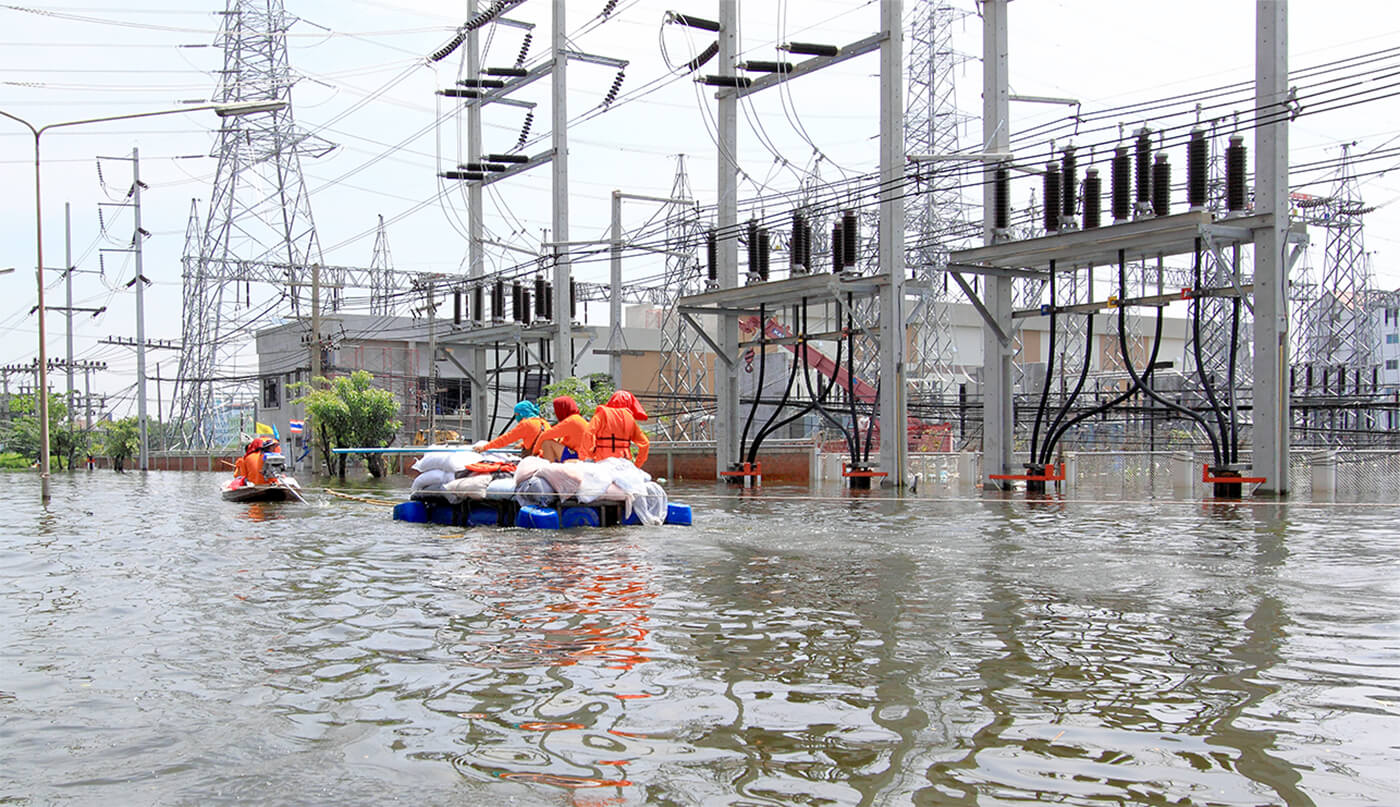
535 491
650 504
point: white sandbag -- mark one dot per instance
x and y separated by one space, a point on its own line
431 480
535 491
450 461
528 467
564 477
650 505
502 488
613 470
470 487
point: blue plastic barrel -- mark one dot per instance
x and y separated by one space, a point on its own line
540 518
678 514
632 520
481 515
415 512
581 517
443 514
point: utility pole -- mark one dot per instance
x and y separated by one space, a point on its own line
432 361
727 233
997 414
140 282
563 337
894 423
68 286
481 398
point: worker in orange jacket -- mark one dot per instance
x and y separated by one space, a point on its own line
615 430
249 466
529 425
569 438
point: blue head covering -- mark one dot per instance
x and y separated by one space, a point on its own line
526 409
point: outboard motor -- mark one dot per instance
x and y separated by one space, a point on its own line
274 466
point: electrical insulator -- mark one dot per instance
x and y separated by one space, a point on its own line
753 247
539 297
573 300
549 301
525 307
477 298
1001 199
1051 208
850 239
517 300
807 244
1092 198
838 249
795 244
1069 185
1197 155
763 245
498 301
1161 186
1142 168
712 256
1121 180
457 307
1235 154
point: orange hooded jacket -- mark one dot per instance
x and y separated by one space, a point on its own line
615 430
572 430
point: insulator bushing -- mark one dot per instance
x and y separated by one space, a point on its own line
549 301
457 308
1121 180
573 300
498 301
807 244
1001 199
525 308
1197 156
1069 184
1235 155
1161 186
1142 168
1092 198
838 249
850 239
763 246
478 295
711 256
753 246
795 242
539 297
1051 208
517 297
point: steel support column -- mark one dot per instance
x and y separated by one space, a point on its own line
894 421
1271 404
727 184
997 392
563 337
476 266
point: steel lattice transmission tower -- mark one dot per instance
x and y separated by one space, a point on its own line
935 213
1337 326
682 383
259 211
381 267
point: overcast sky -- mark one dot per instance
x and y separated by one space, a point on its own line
365 87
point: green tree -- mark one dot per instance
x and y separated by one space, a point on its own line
589 392
348 412
22 435
121 440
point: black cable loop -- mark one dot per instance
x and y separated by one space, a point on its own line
1049 370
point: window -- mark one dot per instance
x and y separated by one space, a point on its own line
1392 364
272 393
1392 339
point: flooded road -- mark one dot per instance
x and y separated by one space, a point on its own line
165 647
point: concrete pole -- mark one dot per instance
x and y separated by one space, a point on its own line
997 403
315 344
68 287
476 267
615 293
894 420
727 215
1271 404
432 362
140 283
563 337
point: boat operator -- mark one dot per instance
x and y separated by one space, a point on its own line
529 425
249 467
615 430
570 438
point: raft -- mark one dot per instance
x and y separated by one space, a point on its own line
437 507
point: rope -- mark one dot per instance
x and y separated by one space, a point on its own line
364 499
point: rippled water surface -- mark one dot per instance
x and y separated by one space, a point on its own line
164 647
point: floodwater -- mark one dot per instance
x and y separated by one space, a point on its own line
163 647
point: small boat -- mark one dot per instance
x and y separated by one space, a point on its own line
284 489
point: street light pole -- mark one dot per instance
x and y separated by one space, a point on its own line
222 110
